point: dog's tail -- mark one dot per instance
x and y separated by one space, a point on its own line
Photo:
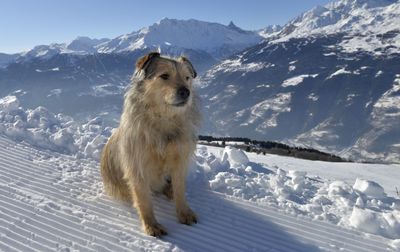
114 184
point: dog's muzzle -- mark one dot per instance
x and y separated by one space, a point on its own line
182 96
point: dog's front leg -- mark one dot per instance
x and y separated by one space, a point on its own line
184 213
142 202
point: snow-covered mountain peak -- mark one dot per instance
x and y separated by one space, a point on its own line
372 25
366 4
198 34
270 30
171 36
85 44
345 15
45 51
185 34
80 45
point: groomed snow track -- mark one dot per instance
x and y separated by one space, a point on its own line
52 202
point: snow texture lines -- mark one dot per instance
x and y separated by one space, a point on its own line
52 202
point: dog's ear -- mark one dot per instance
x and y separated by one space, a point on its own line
189 65
144 62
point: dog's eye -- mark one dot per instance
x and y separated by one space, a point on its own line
164 76
187 78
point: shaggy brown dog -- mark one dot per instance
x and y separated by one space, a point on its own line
152 147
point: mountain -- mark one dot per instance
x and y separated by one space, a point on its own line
78 46
85 44
354 16
371 25
269 30
6 59
329 79
170 34
91 74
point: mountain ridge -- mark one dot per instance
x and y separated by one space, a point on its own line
304 83
328 90
167 35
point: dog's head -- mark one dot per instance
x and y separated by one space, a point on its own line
166 81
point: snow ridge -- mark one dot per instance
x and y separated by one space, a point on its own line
166 35
44 208
193 34
46 130
370 24
272 205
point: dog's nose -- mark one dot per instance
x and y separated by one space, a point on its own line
183 93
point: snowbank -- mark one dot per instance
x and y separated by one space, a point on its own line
234 156
369 189
363 206
44 129
9 103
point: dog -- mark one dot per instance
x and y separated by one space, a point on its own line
151 149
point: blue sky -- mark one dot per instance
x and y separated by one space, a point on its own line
26 23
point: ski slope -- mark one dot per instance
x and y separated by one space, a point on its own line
54 202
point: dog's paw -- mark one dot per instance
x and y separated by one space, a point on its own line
187 217
155 230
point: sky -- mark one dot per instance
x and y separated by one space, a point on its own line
27 23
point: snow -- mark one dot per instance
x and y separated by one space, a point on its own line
51 202
390 100
379 73
243 204
55 69
368 188
269 31
234 156
9 104
44 129
372 222
294 81
274 106
168 34
313 97
55 92
339 72
78 46
105 90
365 220
237 65
190 33
51 195
385 175
365 23
345 198
84 45
361 205
384 117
